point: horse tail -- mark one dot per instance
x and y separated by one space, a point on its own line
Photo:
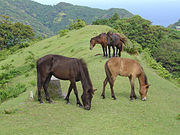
38 74
123 39
108 73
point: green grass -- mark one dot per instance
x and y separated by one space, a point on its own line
156 116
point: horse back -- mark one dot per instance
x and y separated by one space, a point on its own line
124 67
60 66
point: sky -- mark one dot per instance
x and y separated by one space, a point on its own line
159 12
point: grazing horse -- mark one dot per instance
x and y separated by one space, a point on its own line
115 40
129 68
65 68
100 39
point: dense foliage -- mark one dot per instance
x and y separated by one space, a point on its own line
48 20
12 34
163 43
77 24
9 72
173 26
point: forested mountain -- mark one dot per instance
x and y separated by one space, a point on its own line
48 20
173 26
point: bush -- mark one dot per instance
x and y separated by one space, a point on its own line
157 66
3 95
77 24
63 32
132 47
24 45
12 91
7 67
31 60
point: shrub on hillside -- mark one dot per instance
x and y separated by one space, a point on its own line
132 47
63 32
157 66
77 24
12 91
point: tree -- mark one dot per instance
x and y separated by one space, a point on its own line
77 24
13 33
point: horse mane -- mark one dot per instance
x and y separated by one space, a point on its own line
145 78
86 81
98 36
144 75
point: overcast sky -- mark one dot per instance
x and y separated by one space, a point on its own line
160 12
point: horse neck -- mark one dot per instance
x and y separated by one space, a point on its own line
142 79
97 41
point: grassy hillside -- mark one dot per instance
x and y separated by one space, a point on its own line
48 20
156 116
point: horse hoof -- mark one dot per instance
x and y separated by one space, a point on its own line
41 102
114 98
51 102
68 103
103 97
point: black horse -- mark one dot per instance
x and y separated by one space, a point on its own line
115 40
65 68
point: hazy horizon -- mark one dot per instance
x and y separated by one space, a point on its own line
159 12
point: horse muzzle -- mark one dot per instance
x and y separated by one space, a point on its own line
144 99
87 107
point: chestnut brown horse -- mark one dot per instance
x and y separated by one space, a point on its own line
100 39
115 40
65 68
129 68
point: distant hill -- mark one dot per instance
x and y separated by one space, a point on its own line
173 26
48 20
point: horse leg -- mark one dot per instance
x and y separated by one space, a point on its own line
109 48
120 49
76 93
39 93
132 80
106 51
103 51
116 51
111 83
112 91
45 86
39 85
113 51
119 53
104 85
68 94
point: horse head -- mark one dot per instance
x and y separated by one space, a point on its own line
92 43
143 91
87 98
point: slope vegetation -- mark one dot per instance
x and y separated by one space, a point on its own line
155 116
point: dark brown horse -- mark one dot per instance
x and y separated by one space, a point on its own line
115 40
65 68
100 39
129 68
